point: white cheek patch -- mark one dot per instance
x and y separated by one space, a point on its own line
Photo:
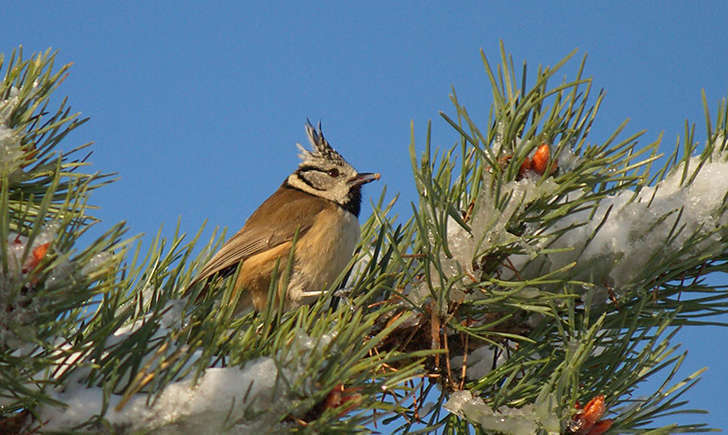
337 190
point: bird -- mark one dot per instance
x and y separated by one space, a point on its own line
318 205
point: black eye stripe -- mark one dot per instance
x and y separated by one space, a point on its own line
333 172
309 168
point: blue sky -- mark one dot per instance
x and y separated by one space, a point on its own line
198 105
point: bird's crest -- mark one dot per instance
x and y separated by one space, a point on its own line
322 151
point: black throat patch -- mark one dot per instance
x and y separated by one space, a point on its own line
353 200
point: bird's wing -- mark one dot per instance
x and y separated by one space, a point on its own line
273 223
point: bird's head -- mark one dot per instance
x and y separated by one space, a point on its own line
323 172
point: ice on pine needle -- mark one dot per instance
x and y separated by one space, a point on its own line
11 153
19 301
216 404
96 262
250 399
488 228
612 243
626 235
488 225
526 420
23 256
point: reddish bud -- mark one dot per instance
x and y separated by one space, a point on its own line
525 166
40 251
340 396
594 410
600 427
541 159
586 421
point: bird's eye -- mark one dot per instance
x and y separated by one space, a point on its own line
334 172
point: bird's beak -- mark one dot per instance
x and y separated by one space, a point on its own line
364 178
